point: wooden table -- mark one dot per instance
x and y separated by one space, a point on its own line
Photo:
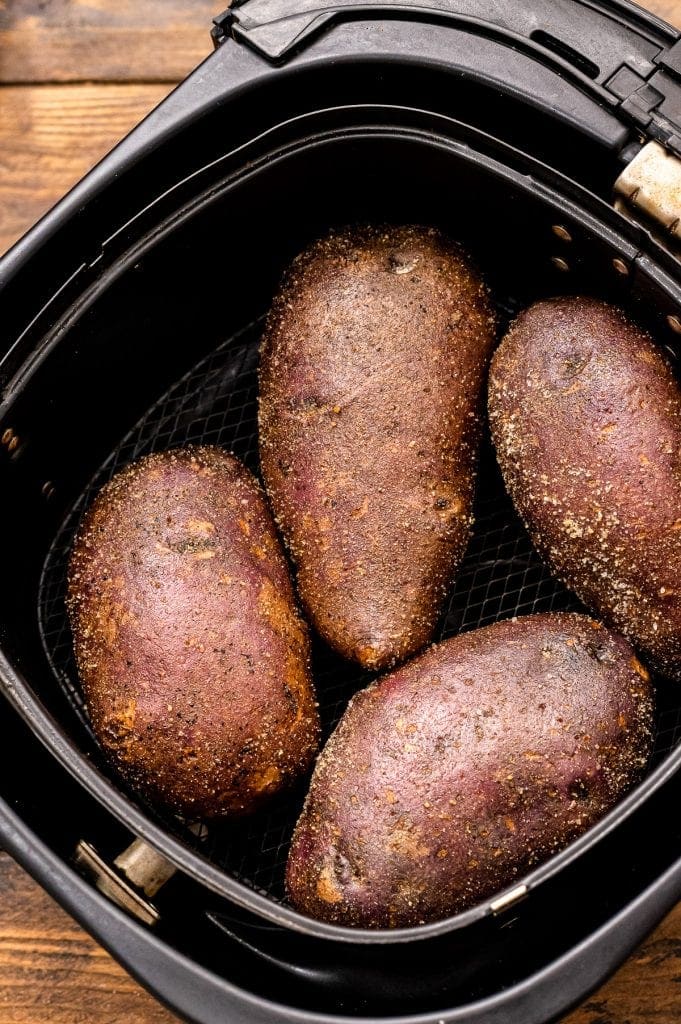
75 75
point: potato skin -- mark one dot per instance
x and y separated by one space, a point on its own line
371 372
586 418
448 779
192 655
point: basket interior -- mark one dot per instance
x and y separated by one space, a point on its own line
501 576
165 351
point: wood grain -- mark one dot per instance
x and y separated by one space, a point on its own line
119 40
646 989
103 40
52 972
51 135
668 10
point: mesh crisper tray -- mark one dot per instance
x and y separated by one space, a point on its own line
501 576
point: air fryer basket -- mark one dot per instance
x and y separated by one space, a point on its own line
501 576
150 287
190 297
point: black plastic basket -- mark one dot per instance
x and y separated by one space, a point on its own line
132 315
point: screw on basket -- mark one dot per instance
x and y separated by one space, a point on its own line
135 876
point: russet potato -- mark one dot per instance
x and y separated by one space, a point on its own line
371 378
192 654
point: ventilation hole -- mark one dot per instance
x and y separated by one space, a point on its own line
561 49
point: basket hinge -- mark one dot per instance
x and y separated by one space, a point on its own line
124 882
221 29
648 191
652 103
136 875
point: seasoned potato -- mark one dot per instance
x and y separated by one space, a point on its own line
193 657
586 418
372 366
447 780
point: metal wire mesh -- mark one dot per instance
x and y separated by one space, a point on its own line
501 576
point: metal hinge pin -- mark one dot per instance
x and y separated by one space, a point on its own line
135 877
649 187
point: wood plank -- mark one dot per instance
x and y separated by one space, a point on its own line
122 40
52 972
103 40
646 989
669 10
51 135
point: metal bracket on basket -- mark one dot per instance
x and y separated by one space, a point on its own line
133 879
648 191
